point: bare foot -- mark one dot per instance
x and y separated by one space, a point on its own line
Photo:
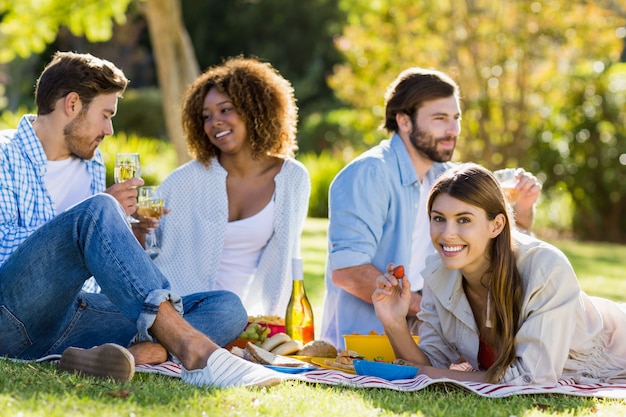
148 353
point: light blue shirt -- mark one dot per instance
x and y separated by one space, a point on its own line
25 204
373 205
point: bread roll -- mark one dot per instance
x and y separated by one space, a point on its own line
288 348
264 357
318 348
275 341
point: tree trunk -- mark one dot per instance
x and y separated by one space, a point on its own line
176 63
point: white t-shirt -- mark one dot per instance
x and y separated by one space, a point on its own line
243 242
68 182
421 246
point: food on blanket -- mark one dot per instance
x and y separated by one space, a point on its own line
242 353
279 321
276 340
344 360
262 356
288 348
398 271
255 333
402 362
281 344
319 349
276 324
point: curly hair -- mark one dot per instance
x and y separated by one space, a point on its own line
475 185
263 98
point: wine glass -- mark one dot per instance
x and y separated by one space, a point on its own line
507 180
126 167
150 204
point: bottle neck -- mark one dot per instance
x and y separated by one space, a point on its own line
298 286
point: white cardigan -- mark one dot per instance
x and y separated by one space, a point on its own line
192 235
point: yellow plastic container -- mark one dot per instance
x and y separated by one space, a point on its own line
372 346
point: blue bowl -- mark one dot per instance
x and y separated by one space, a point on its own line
388 371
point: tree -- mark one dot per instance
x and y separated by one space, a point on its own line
177 66
591 144
296 37
28 26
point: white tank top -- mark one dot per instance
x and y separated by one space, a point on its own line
421 246
243 243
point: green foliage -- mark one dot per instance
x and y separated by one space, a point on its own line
340 129
296 37
591 144
554 213
158 158
322 169
140 112
515 62
10 120
27 26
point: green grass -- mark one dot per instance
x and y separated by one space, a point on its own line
40 390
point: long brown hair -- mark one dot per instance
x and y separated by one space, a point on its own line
475 185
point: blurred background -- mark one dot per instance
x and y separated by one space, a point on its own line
543 82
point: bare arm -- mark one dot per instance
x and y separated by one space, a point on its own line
453 374
391 301
360 281
529 190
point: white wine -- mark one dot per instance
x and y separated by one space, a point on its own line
299 315
511 194
150 208
124 172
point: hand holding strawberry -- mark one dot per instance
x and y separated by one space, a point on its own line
398 271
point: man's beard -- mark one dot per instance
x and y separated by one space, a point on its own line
426 144
78 144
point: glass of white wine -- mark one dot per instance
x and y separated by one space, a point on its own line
150 204
507 179
126 167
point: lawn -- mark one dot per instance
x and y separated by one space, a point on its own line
40 390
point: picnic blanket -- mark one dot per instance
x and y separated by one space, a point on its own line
333 377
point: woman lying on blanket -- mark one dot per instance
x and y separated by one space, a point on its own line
505 302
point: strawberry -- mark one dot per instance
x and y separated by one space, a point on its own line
398 271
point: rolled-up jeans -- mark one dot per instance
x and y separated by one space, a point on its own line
43 309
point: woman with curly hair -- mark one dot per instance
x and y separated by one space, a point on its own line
505 302
237 210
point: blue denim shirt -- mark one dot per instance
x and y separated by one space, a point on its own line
373 205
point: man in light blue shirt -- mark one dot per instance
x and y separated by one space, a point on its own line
377 209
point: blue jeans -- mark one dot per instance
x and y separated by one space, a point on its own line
43 309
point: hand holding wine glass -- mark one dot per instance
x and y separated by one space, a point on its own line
126 167
150 205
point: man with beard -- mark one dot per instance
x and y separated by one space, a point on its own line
59 227
377 203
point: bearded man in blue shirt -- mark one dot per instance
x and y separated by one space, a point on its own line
377 203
